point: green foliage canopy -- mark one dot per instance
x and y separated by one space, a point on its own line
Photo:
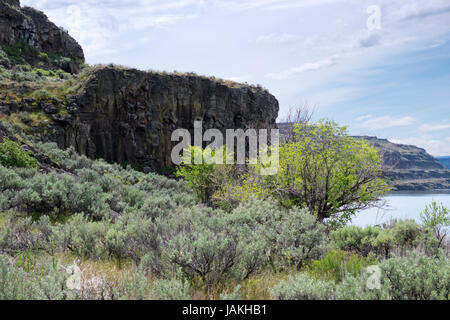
324 170
12 155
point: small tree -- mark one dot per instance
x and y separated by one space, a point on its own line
207 177
298 115
324 170
436 217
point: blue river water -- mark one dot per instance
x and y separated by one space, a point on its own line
401 205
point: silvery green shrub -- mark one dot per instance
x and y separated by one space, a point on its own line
400 237
233 295
280 237
417 277
302 287
199 241
17 235
355 239
52 285
14 284
45 283
356 288
407 233
9 180
135 287
81 236
172 289
413 277
300 238
54 195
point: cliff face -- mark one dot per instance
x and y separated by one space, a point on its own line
28 27
119 114
403 157
127 115
409 167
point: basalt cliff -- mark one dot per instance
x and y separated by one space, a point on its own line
119 114
410 168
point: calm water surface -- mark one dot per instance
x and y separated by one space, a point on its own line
405 205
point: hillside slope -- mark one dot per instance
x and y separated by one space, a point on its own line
409 167
445 161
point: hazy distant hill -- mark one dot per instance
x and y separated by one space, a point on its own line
406 167
409 167
403 157
445 161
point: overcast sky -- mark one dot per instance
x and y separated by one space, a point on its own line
382 67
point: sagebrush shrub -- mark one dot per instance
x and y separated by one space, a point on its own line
81 236
302 287
355 239
173 289
417 277
44 283
18 235
136 287
53 194
399 237
4 59
200 242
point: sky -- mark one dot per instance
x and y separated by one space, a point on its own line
381 67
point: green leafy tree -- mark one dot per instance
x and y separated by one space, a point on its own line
437 218
12 155
324 170
207 177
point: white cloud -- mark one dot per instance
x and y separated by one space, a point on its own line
331 96
434 127
313 66
241 79
240 5
364 117
374 123
420 9
433 146
100 26
278 38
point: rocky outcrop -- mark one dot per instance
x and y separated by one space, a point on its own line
409 167
127 115
118 114
403 157
32 28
